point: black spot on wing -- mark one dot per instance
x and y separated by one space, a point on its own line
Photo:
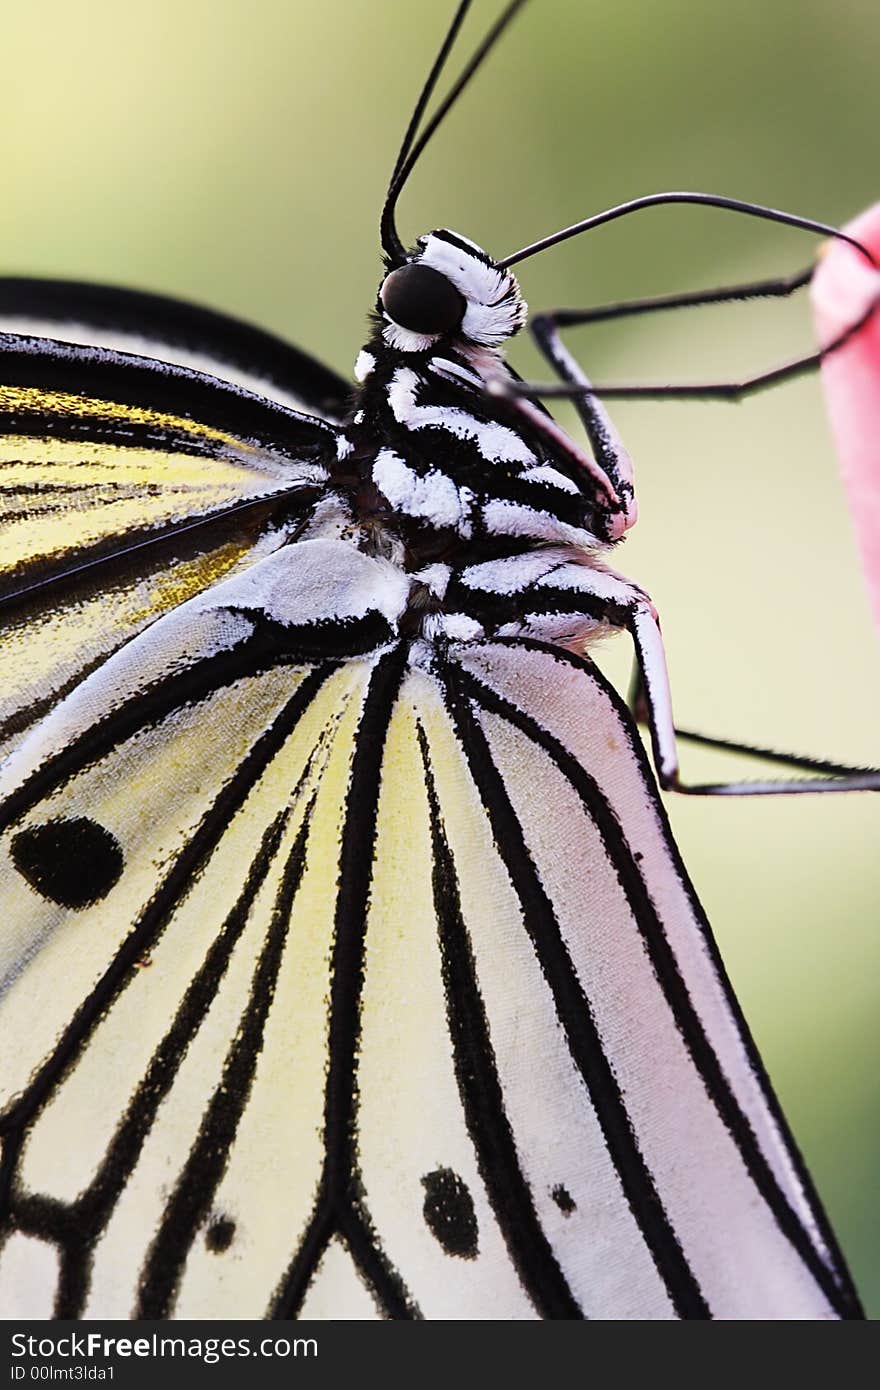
563 1199
480 1088
72 862
573 1009
75 1235
833 1283
448 1210
219 1235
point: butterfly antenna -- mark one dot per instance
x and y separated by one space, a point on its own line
412 148
391 243
712 200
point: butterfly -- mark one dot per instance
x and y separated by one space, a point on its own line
350 968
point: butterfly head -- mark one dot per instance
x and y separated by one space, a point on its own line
449 288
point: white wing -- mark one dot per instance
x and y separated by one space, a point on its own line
371 985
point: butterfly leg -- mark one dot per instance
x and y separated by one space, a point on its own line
610 465
652 704
779 287
607 445
570 602
575 386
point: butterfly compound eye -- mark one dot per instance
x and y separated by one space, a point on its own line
422 300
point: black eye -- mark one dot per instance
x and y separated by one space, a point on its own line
421 299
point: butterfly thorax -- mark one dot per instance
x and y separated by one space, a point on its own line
434 458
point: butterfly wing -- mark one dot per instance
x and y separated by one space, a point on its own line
685 1144
127 485
355 980
158 819
176 331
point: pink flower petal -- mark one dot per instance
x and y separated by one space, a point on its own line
843 289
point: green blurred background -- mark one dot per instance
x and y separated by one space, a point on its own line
236 153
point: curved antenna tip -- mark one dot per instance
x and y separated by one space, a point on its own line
715 200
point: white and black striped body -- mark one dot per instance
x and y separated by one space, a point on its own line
468 493
351 954
448 456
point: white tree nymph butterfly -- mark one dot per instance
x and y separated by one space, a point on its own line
349 966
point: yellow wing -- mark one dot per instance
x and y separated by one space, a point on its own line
126 486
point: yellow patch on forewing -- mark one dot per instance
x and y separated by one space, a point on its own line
183 581
40 653
98 491
410 1120
25 399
